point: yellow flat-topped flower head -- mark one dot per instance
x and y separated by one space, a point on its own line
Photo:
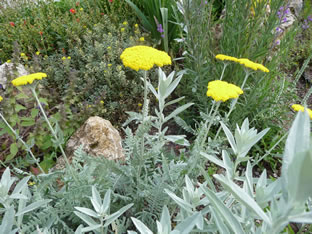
222 90
28 79
1 98
226 57
144 58
252 65
297 107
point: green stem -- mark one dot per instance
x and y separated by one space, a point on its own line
32 88
270 150
144 113
210 123
306 97
144 110
23 142
245 79
225 65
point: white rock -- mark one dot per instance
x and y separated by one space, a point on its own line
8 69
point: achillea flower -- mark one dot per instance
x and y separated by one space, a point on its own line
28 79
252 65
297 107
222 90
144 58
226 57
72 10
12 24
1 98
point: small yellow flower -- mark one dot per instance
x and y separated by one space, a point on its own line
109 48
139 104
109 34
38 52
136 25
121 94
141 38
226 57
1 98
109 65
31 183
8 61
68 57
23 54
81 9
28 79
102 102
94 25
144 58
125 23
63 58
297 107
84 26
122 29
222 90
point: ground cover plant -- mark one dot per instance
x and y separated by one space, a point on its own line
181 174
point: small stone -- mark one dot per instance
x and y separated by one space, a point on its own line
99 138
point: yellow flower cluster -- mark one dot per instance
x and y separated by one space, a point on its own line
226 57
222 90
243 61
28 79
144 58
297 107
1 98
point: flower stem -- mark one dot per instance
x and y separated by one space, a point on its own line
210 122
245 79
225 65
144 113
23 142
32 88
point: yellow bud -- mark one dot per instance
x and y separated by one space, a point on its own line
68 57
23 55
109 65
141 38
8 61
102 102
81 9
122 29
63 58
136 25
38 52
125 23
